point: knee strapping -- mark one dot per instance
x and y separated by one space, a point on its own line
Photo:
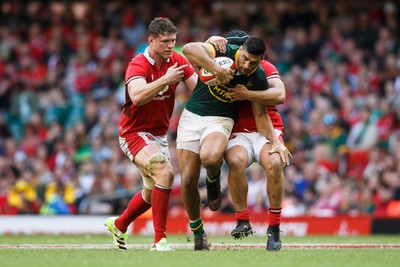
153 160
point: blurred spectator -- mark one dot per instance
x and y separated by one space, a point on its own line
56 199
364 133
22 197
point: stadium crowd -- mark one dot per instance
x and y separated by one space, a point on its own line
62 69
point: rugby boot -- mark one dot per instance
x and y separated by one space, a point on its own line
214 194
243 229
119 238
274 242
161 246
200 242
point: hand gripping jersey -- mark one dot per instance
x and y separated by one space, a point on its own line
152 117
245 119
207 100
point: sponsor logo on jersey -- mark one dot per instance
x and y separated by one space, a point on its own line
163 90
220 92
161 95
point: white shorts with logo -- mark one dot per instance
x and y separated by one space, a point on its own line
252 142
192 129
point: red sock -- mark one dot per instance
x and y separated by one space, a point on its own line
136 207
160 206
274 216
242 215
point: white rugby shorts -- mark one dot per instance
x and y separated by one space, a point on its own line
253 143
192 129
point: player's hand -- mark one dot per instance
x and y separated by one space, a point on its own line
218 42
283 152
175 74
223 76
239 92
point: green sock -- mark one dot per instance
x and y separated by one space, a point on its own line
197 227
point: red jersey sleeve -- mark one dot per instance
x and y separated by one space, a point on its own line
136 69
270 70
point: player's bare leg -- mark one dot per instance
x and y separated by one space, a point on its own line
237 158
189 164
212 150
273 166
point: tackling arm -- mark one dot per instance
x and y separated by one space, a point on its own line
265 127
275 94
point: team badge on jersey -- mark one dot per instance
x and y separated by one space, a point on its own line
249 84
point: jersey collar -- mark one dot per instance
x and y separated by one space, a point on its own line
149 58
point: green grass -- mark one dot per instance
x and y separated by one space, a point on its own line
287 257
139 239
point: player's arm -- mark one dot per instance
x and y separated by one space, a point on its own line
265 127
201 55
191 81
218 42
275 95
142 92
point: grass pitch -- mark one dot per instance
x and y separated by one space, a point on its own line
96 251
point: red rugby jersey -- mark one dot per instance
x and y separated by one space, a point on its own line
245 119
152 117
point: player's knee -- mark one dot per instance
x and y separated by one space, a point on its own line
159 168
236 161
274 164
154 161
164 175
188 182
211 160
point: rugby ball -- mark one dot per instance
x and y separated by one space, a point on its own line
209 78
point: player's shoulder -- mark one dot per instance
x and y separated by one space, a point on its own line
177 57
269 68
232 48
139 59
259 79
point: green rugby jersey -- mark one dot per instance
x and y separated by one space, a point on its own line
207 100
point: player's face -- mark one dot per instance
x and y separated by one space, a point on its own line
163 45
247 62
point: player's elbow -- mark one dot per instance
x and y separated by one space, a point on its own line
281 98
136 101
188 49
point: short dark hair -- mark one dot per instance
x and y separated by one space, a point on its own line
161 26
255 46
